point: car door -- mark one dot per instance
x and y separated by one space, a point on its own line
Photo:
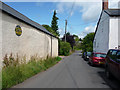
118 65
113 63
90 58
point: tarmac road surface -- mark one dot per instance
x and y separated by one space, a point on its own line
71 72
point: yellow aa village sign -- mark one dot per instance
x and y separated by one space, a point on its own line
18 30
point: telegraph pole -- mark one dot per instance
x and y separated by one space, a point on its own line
65 29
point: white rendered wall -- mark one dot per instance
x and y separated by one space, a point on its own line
0 34
113 34
101 40
32 41
119 31
54 47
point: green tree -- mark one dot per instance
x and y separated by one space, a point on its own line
76 38
69 39
54 23
80 39
48 28
77 43
87 42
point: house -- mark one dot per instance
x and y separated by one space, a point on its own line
107 34
21 36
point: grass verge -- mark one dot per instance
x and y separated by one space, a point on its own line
15 74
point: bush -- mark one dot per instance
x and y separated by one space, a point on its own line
65 48
87 42
13 74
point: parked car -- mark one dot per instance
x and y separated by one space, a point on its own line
83 54
97 59
88 54
112 66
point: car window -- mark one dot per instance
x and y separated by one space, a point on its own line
113 56
88 53
100 55
109 53
118 55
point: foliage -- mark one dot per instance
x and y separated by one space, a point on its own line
87 42
65 48
13 74
77 45
70 39
47 27
76 38
54 23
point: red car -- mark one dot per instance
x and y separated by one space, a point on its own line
112 66
97 59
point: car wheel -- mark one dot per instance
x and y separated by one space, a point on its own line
107 73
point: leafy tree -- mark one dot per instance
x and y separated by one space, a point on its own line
54 23
70 39
48 28
76 38
87 42
80 39
77 45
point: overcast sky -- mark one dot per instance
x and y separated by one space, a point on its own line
82 16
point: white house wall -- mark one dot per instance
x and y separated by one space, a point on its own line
54 47
119 31
32 41
101 39
113 34
0 38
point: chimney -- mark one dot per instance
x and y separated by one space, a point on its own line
105 5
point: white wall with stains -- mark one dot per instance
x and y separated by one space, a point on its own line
101 40
113 33
108 34
32 41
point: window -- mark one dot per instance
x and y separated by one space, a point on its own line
100 55
113 56
88 53
118 55
109 53
114 53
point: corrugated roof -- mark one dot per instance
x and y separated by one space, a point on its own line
25 19
113 12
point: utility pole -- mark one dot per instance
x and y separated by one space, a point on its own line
65 29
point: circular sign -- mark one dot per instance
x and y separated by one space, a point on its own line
18 30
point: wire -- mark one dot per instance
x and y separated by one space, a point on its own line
71 10
89 22
84 23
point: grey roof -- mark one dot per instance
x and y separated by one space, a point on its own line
113 12
20 16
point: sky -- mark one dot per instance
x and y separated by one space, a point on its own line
82 16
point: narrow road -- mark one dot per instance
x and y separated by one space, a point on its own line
71 72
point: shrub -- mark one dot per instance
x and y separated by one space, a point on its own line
65 48
13 74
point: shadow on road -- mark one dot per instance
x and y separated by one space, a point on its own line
113 83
